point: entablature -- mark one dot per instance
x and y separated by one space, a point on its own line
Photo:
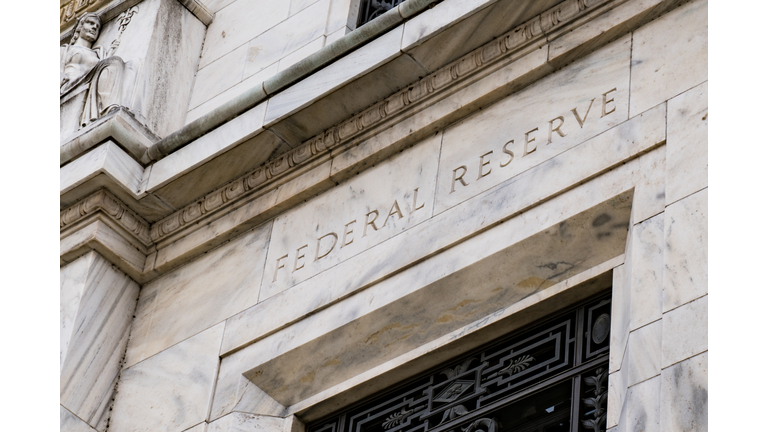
302 141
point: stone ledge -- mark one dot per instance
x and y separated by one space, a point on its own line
121 127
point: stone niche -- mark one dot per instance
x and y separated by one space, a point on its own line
159 48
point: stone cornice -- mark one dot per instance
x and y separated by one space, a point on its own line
104 201
343 133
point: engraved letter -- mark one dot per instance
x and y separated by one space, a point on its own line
371 223
579 119
299 255
509 152
394 210
459 178
415 195
318 255
278 266
344 236
483 163
557 129
526 152
606 101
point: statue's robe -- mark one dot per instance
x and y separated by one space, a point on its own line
105 78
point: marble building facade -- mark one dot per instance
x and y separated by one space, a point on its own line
270 212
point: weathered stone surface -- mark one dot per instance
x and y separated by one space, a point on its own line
685 395
69 422
669 56
244 422
170 391
238 23
644 351
360 213
684 332
287 37
686 250
687 162
643 406
512 136
97 305
199 295
647 271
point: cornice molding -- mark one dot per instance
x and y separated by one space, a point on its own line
70 10
344 132
103 201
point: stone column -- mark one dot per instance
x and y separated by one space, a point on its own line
97 306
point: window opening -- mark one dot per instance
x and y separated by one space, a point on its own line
370 9
551 376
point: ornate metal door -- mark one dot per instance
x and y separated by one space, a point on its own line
551 376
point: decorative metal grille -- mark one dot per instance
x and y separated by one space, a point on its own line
549 377
370 9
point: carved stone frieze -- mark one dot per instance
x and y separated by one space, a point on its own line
104 201
70 10
342 133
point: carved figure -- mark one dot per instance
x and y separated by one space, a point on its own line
81 62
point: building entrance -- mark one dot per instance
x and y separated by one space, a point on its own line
551 376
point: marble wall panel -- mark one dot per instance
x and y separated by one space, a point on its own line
244 422
644 352
286 37
354 216
171 391
215 5
621 309
218 76
669 56
231 93
617 394
643 407
72 278
647 271
684 332
685 395
342 14
99 333
69 422
202 427
685 252
239 22
290 59
198 295
534 125
299 5
687 164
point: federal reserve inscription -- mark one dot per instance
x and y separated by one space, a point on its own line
534 125
354 216
530 141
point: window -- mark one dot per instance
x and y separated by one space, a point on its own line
551 376
370 9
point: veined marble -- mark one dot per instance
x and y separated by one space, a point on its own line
534 125
358 214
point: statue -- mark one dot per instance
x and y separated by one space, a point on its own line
105 74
